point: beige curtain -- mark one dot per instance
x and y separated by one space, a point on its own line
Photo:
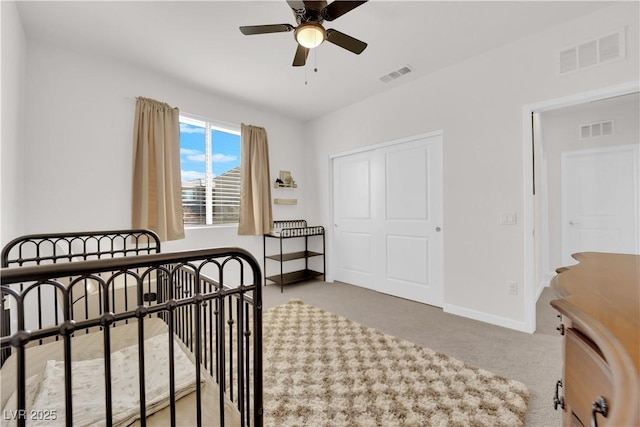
157 188
255 191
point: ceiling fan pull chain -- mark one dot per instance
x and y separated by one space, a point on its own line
315 60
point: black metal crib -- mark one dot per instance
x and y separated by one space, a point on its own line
60 287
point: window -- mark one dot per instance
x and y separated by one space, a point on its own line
210 169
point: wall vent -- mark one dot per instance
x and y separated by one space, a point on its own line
607 48
594 130
396 74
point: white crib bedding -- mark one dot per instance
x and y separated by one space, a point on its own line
45 383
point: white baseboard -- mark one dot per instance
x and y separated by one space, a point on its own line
487 318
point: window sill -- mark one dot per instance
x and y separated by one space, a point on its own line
199 227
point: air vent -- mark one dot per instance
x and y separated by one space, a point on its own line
588 54
607 48
396 74
594 130
610 47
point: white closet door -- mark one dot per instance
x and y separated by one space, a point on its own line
388 219
354 221
412 222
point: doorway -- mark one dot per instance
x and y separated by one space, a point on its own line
591 189
387 218
541 224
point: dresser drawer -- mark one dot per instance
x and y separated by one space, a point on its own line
587 376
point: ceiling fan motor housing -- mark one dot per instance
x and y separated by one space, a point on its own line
308 15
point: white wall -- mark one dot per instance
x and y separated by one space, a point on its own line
12 89
78 143
478 104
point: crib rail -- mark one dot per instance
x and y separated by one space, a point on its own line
52 248
210 299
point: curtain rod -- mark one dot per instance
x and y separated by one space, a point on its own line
198 117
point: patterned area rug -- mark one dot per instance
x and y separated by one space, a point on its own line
321 369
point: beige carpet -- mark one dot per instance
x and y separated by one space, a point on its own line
321 369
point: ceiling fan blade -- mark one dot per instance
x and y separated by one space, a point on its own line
301 56
347 42
338 8
265 29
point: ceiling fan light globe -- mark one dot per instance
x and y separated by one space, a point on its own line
310 34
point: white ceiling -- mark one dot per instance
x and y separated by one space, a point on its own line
199 42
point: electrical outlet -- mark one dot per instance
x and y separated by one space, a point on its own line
512 288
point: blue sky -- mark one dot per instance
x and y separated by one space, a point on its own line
225 147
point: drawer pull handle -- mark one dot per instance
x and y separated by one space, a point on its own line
557 399
599 407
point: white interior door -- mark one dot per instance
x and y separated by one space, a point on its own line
388 219
600 201
354 219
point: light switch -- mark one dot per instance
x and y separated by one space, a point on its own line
508 218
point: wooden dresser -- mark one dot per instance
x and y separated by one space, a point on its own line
599 308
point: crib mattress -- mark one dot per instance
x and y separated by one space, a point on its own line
90 346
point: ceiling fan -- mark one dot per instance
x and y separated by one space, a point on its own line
310 33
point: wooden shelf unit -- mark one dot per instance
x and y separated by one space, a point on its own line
293 229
